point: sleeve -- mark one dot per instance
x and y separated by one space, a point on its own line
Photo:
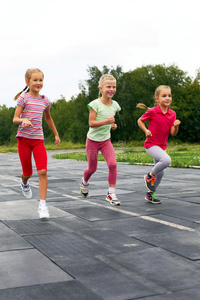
48 103
147 115
118 107
93 104
21 101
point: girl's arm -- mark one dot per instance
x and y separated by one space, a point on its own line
51 124
174 129
17 120
143 127
94 123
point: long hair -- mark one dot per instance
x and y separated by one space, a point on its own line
28 77
157 93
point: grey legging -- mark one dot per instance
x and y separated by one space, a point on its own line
161 160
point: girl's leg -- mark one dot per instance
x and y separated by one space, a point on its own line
92 149
25 152
161 160
43 183
40 156
109 154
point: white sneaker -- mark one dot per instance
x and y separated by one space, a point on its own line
43 212
26 190
84 189
112 198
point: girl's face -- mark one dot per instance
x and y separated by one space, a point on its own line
35 83
165 98
108 89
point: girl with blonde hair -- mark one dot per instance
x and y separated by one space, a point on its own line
162 121
28 115
101 121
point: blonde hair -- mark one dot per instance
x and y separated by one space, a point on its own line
157 93
28 77
160 88
104 78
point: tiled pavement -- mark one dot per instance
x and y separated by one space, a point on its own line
90 250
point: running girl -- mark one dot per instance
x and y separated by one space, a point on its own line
28 114
162 121
101 120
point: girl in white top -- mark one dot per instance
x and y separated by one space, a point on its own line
101 120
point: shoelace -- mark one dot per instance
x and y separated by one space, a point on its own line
153 195
43 208
26 188
112 197
84 188
151 180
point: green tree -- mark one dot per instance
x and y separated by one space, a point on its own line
139 86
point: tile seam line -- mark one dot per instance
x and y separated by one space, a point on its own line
170 224
151 219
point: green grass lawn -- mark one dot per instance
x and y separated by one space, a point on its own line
183 156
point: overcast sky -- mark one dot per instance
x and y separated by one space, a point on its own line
63 38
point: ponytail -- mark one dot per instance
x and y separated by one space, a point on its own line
142 105
25 89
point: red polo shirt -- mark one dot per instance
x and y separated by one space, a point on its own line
159 125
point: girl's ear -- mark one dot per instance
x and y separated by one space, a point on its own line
27 82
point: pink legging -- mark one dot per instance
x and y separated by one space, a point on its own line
106 148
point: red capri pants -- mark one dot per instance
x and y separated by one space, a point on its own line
106 148
25 149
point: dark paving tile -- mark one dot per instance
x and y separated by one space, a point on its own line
67 244
69 290
73 223
106 281
159 268
92 214
32 227
11 240
182 243
185 294
136 251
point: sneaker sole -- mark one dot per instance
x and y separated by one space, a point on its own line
44 218
153 202
27 196
84 195
149 189
113 202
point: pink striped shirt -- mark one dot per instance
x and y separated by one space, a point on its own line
33 110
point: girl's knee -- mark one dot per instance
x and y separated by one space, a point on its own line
168 161
112 166
42 172
92 171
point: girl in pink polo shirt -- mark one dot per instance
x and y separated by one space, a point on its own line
28 115
162 121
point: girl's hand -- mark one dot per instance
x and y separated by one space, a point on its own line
114 126
26 123
177 123
110 120
148 133
57 140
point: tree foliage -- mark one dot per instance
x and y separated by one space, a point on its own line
71 117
